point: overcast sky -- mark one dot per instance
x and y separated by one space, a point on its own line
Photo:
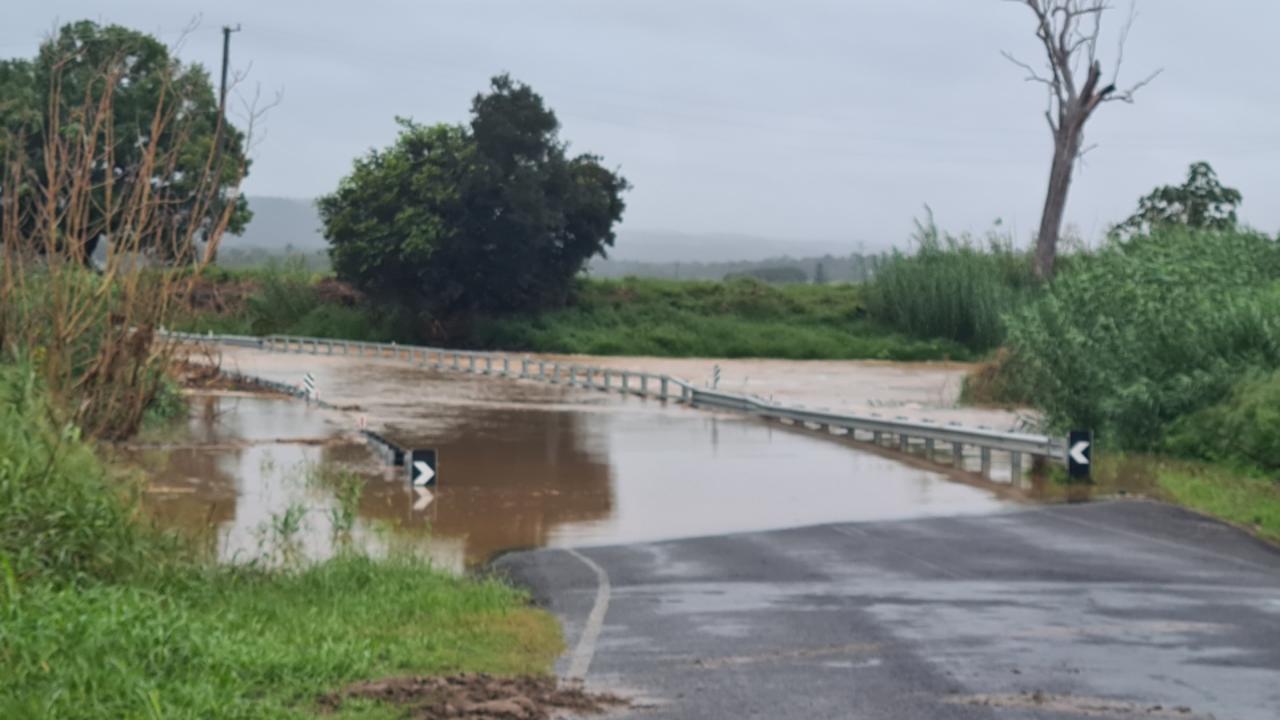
807 119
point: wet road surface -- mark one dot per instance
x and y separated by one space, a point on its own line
521 465
1110 610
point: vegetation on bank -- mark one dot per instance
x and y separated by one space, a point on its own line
102 616
289 300
738 318
1148 333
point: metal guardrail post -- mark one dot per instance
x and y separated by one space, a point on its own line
455 361
904 443
506 365
524 367
471 363
542 368
608 376
1015 469
626 382
663 382
957 455
644 385
928 448
986 462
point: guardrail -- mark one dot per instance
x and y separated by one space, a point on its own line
906 435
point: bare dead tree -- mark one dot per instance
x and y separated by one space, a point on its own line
1069 31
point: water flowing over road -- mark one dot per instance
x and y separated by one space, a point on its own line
524 464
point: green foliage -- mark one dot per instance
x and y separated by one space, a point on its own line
167 404
1201 202
63 84
739 318
951 288
223 643
1149 330
1244 427
491 217
61 516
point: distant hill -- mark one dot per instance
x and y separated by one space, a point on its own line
280 223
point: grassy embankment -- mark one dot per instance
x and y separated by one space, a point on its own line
739 318
102 616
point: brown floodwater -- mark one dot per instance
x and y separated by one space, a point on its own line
521 465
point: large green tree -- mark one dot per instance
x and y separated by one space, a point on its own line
491 217
159 108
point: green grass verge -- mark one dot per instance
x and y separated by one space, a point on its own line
738 318
1242 498
218 643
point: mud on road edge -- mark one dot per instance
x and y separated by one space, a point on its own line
479 697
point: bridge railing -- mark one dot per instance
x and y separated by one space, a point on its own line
905 434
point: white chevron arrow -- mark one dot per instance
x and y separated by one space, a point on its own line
425 473
1077 452
424 499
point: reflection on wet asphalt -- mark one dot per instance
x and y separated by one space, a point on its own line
521 465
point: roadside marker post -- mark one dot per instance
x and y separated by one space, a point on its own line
309 386
1080 456
423 468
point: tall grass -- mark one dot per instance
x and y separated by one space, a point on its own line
951 287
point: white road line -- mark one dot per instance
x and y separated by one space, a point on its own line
581 659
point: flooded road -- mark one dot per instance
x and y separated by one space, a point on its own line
521 465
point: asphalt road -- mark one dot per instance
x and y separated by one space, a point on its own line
1110 610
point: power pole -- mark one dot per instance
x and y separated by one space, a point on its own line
226 57
222 108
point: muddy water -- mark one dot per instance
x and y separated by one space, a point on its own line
521 465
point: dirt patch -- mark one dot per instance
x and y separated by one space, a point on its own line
479 697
